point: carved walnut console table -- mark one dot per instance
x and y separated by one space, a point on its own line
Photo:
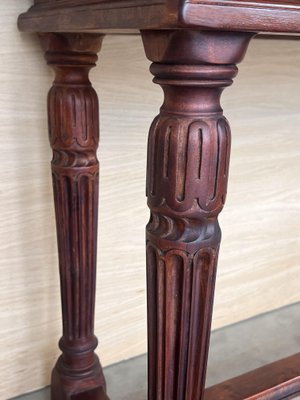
194 46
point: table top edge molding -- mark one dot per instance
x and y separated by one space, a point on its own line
228 15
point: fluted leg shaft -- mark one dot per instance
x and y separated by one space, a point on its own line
74 136
188 159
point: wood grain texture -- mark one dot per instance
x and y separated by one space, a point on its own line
256 15
259 258
74 15
187 174
73 118
276 381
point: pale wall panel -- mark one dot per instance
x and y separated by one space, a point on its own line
259 262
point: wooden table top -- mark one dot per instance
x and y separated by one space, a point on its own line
121 15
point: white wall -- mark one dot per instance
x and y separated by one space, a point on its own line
259 264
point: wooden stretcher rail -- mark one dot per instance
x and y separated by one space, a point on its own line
276 381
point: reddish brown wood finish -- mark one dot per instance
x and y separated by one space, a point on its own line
279 380
239 15
188 159
74 136
189 145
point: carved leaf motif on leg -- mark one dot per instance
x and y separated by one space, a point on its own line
187 174
186 186
181 153
186 190
74 137
75 120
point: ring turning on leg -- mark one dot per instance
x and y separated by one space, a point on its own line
187 173
74 136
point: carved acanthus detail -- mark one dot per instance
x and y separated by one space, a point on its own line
187 174
181 152
183 232
75 122
72 158
188 160
74 137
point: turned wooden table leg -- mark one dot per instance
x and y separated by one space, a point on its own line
188 158
74 136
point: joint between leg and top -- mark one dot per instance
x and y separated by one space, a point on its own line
187 173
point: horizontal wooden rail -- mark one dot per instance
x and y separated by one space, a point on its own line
276 381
